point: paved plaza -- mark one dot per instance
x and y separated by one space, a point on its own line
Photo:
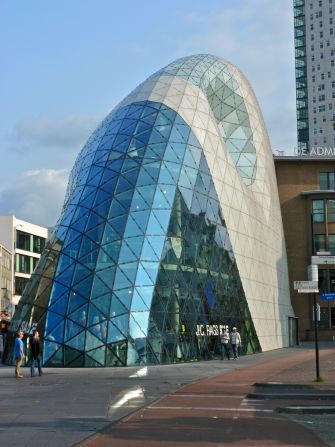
212 403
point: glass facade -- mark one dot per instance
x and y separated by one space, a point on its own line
301 75
140 268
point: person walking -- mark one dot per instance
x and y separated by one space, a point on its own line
235 340
35 350
18 354
224 341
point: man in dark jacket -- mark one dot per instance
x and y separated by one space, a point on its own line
35 351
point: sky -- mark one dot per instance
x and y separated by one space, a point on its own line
67 63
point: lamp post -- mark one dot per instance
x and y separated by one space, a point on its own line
313 275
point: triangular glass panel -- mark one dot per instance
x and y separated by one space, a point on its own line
77 342
52 321
49 349
117 307
103 303
60 305
72 329
92 341
57 333
107 276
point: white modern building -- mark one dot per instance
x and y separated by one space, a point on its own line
26 242
315 73
5 283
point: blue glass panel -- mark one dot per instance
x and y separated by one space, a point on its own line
57 333
80 273
118 224
116 209
52 321
134 111
145 178
68 215
79 316
99 288
114 333
71 330
109 185
98 355
78 342
83 286
157 243
103 303
96 233
160 200
163 131
138 304
107 276
117 308
145 193
132 229
66 275
138 324
92 341
112 250
93 220
75 301
128 126
101 197
120 323
94 316
148 253
163 217
57 291
49 349
151 268
60 305
125 275
125 198
174 170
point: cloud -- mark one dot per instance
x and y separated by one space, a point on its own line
36 196
256 36
70 132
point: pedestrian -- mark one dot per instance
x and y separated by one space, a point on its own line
18 353
235 340
224 341
35 350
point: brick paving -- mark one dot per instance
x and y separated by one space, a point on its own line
218 412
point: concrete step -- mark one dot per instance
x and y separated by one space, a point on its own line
307 409
312 395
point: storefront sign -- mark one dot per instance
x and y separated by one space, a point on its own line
204 330
327 296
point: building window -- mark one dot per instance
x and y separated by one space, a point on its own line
322 285
23 240
20 284
327 180
23 264
331 246
38 244
319 242
318 211
331 212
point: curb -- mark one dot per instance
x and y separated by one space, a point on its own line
293 396
307 410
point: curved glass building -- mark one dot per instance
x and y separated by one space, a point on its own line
170 230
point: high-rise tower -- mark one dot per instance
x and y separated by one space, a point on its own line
315 73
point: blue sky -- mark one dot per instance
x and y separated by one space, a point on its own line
67 63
